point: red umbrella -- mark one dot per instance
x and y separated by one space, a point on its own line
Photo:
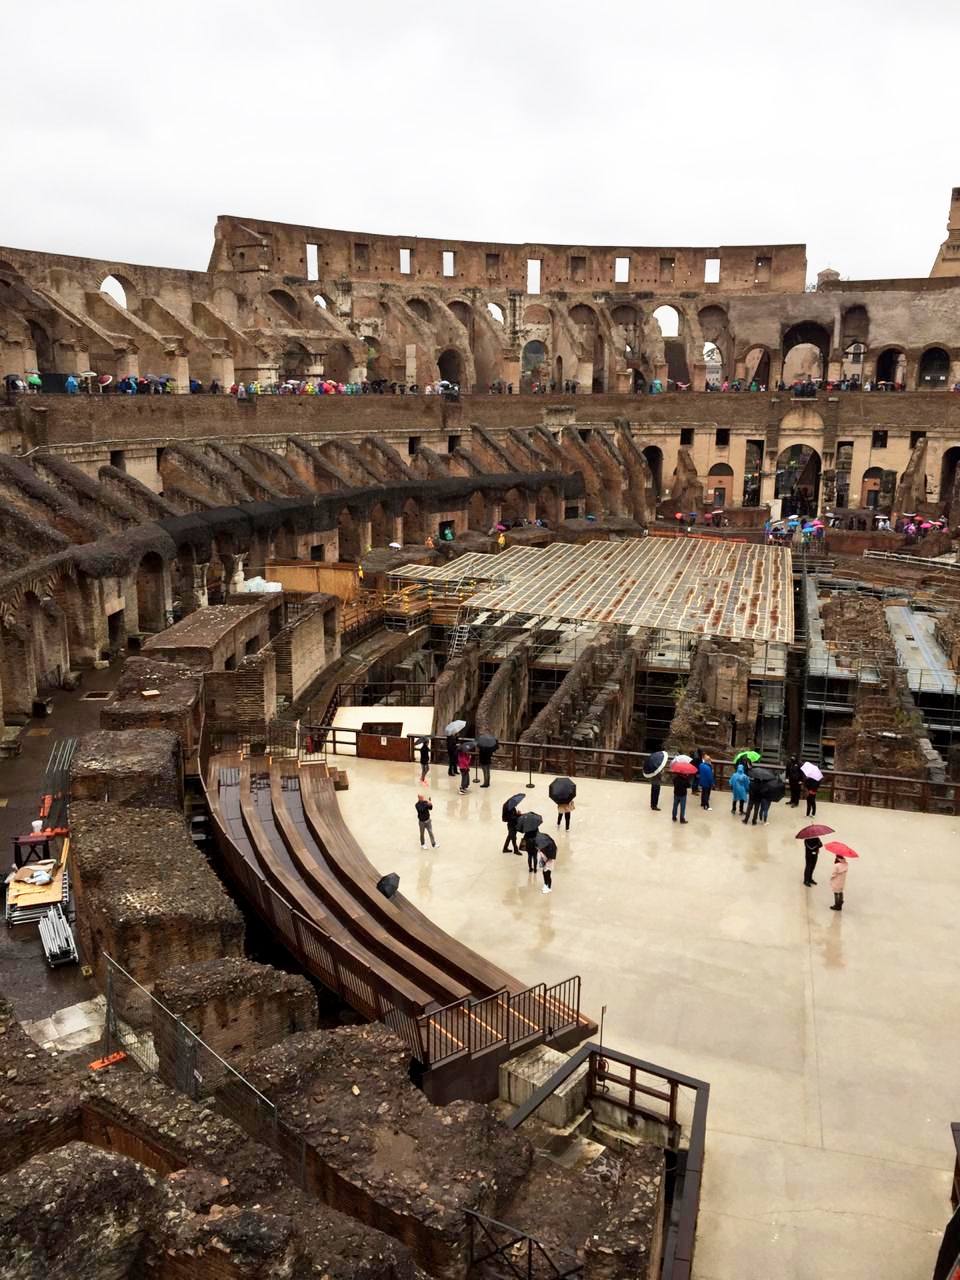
678 515
681 766
815 829
841 849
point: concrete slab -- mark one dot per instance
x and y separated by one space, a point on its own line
828 1039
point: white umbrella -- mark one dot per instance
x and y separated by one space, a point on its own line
683 759
395 546
811 771
454 726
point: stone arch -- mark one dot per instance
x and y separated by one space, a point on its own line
286 302
496 312
514 506
376 365
891 365
285 541
536 314
413 523
669 321
654 456
558 372
949 473
933 372
855 326
42 347
297 360
19 681
533 363
464 313
151 586
322 301
381 531
870 485
756 366
721 473
809 342
797 480
450 364
479 511
348 536
121 289
548 506
420 307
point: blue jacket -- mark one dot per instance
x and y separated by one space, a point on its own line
705 774
740 783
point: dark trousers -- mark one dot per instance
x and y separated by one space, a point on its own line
465 779
705 797
531 849
753 808
811 804
680 804
485 770
511 838
837 902
736 802
809 866
654 795
560 818
548 878
794 794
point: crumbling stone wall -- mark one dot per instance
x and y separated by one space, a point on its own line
716 709
380 1151
245 696
39 1101
607 719
503 707
129 767
573 694
947 630
457 689
234 1006
145 895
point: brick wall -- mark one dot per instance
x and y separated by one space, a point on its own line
503 708
246 695
457 689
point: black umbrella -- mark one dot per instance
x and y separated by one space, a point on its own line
547 845
512 802
773 790
466 744
487 742
762 775
655 763
562 790
529 822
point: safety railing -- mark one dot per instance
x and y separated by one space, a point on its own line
511 1251
684 1142
503 1020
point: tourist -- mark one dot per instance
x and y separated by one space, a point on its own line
463 764
510 814
424 807
548 860
485 756
740 786
681 784
753 803
706 778
71 385
695 779
564 811
452 740
530 849
794 781
838 878
424 758
812 785
655 795
811 849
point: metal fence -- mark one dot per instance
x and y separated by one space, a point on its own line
500 1020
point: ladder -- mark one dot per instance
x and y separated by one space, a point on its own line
57 938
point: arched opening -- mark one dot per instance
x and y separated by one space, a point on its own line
806 352
548 509
599 363
151 594
533 364
856 326
668 318
798 480
713 364
419 308
756 367
19 684
111 286
654 457
42 346
853 354
752 468
380 531
891 367
321 301
496 312
934 369
513 509
870 487
286 302
558 373
285 542
338 362
413 530
348 537
479 513
463 314
639 382
296 361
450 364
949 475
720 491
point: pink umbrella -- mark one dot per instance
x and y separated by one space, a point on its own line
926 525
682 767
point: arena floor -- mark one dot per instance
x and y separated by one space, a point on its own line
830 1041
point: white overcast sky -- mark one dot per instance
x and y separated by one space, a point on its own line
129 126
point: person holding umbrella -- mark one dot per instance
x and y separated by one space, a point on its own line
838 876
812 784
753 797
794 781
453 731
682 771
464 760
529 824
812 844
511 815
486 746
547 859
653 767
561 791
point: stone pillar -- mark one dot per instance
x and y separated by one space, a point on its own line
194 595
365 536
835 366
698 374
222 370
180 372
128 362
395 531
235 579
768 478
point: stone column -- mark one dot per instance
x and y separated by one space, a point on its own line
235 579
180 372
128 362
395 531
222 370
